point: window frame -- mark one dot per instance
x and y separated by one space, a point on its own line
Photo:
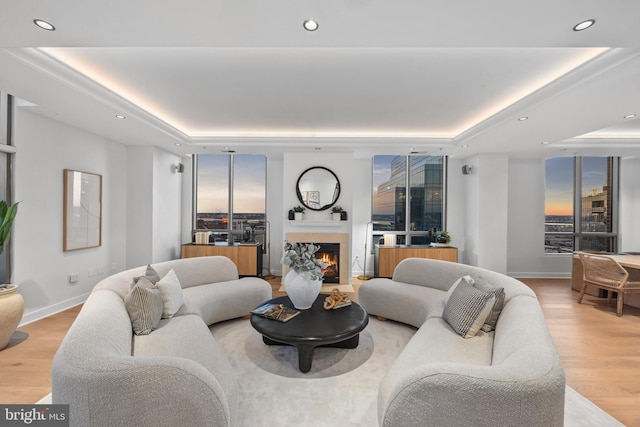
578 235
407 234
229 231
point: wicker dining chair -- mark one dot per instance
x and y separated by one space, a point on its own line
606 273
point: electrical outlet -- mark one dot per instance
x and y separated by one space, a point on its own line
73 278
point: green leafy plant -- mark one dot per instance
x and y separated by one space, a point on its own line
7 215
300 257
298 208
337 209
444 237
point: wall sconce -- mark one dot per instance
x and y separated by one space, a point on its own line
179 168
466 170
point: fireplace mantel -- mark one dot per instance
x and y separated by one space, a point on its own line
317 223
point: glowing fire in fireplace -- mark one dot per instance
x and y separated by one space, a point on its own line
330 258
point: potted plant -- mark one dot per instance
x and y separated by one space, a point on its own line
304 281
297 212
444 238
336 213
11 302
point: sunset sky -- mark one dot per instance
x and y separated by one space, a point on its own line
249 183
559 182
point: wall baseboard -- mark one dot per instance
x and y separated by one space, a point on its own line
52 309
539 275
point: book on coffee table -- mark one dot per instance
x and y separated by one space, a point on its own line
277 312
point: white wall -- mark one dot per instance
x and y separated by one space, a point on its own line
486 212
139 205
629 226
276 215
40 267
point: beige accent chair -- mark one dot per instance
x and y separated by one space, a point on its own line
606 273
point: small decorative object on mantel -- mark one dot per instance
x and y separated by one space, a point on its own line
336 300
336 213
11 302
297 212
304 281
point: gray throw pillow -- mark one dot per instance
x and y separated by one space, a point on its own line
492 320
150 274
144 305
453 287
467 309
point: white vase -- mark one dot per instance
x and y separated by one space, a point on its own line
301 291
337 216
11 310
297 216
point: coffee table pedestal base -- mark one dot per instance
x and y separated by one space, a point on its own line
305 352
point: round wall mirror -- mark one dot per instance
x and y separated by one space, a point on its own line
318 188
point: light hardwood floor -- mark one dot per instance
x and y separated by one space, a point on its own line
600 352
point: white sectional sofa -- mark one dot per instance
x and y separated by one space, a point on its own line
511 376
178 375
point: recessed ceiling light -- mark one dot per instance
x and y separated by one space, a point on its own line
523 118
545 142
178 144
120 116
465 146
310 25
584 25
629 116
44 25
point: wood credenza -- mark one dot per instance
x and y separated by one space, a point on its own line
246 257
388 257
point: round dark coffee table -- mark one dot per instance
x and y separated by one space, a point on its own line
315 327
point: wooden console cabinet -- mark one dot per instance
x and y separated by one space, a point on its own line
388 257
247 257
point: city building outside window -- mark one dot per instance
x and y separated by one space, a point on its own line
581 201
411 219
230 196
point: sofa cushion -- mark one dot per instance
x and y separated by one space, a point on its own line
467 309
144 305
171 291
189 338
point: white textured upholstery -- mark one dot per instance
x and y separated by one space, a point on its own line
511 376
178 374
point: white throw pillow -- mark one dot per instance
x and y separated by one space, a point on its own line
171 292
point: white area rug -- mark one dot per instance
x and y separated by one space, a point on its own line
341 388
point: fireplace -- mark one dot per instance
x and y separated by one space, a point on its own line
321 238
329 253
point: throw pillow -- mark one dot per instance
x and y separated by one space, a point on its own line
498 293
453 287
468 309
171 292
144 305
150 274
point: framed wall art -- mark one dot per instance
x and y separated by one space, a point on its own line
82 210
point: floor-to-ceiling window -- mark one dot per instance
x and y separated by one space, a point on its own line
412 215
230 196
581 200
